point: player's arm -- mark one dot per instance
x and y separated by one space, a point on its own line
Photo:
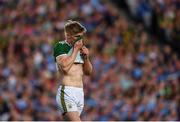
65 61
87 66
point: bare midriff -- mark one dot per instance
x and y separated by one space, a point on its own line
74 77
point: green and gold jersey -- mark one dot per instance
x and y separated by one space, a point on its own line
63 48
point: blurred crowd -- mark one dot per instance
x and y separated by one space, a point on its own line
134 77
161 17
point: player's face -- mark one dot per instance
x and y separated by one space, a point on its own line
73 38
78 35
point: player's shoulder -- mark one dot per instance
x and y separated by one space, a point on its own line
61 44
61 48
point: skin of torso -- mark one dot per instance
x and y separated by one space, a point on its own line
74 77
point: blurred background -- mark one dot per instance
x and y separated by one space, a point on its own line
134 48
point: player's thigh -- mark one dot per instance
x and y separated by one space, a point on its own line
72 116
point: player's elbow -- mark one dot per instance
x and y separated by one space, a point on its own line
65 70
88 72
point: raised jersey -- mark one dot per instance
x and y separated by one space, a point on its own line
63 48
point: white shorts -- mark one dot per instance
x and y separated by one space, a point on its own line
70 98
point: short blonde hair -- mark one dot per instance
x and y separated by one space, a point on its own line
73 27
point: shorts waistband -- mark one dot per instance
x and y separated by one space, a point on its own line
71 87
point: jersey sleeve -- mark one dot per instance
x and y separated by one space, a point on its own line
58 50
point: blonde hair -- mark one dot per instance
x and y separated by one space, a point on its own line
73 27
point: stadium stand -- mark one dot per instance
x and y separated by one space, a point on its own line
135 77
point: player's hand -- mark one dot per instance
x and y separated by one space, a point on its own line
85 52
78 45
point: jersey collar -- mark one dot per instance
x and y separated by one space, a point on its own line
68 43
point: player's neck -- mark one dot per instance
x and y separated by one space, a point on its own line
69 42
